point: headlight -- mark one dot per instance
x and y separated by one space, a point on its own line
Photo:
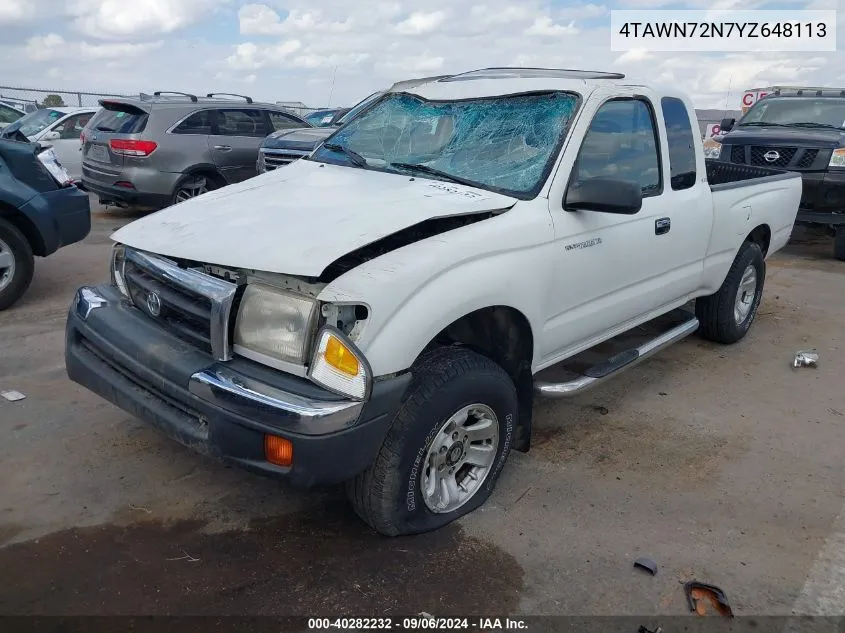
274 324
338 366
118 261
712 149
837 159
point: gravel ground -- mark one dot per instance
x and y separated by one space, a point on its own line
722 463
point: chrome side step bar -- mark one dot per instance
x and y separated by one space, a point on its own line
597 374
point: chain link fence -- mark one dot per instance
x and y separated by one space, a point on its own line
30 99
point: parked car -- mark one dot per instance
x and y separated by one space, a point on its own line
8 115
40 212
20 104
803 131
379 312
155 150
283 147
59 128
326 118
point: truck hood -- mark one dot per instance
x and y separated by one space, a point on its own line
305 138
799 137
300 219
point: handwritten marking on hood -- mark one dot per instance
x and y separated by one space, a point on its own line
458 191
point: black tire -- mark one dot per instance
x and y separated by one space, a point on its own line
716 312
13 288
209 182
839 243
388 495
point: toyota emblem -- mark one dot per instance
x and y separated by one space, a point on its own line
771 156
153 304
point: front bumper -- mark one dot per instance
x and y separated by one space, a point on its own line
823 198
222 409
62 217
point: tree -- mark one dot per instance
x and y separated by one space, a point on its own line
53 101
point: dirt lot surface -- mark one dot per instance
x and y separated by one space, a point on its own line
723 464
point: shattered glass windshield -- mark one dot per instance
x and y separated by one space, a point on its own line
504 143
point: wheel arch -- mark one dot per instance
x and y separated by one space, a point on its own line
25 226
209 170
762 236
504 335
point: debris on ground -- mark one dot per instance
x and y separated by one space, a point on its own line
187 557
698 592
647 564
12 396
806 358
642 629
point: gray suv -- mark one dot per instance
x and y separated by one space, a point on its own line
155 150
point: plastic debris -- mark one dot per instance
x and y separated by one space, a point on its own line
699 593
642 629
12 396
806 358
647 564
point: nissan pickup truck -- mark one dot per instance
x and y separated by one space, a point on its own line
800 130
382 313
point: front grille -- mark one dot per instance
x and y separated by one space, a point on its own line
276 159
807 159
793 158
784 156
186 314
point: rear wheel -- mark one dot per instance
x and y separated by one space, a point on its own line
839 243
445 448
193 186
16 264
726 316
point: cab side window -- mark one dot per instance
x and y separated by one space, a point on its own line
621 144
681 143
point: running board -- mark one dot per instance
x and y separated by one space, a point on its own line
597 374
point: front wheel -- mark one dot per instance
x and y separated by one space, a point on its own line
445 448
726 316
16 264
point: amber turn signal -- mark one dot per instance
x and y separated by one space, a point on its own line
278 450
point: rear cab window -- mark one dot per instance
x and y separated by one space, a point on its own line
119 118
681 141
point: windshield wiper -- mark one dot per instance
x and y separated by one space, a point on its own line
762 123
434 172
354 156
826 126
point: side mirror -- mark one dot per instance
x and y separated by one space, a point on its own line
726 125
51 136
605 195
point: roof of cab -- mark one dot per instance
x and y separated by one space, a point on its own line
490 82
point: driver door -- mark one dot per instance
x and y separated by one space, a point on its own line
607 267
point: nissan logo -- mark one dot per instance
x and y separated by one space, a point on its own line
771 156
153 304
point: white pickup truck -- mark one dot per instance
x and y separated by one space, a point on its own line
378 312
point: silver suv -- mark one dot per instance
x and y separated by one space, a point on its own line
154 151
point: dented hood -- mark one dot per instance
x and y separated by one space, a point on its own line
299 219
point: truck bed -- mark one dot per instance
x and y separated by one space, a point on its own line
722 175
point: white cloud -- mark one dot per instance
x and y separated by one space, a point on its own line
53 46
425 63
250 56
419 23
15 11
633 56
546 27
133 18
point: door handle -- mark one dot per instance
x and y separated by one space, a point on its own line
662 226
223 148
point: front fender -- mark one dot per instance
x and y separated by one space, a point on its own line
416 291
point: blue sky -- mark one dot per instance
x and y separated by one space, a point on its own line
307 50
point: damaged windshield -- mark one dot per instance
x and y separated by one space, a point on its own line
504 143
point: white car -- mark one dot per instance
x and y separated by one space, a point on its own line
379 312
58 128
